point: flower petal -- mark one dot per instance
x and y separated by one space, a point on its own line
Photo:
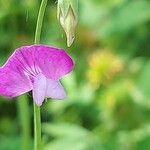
55 90
53 62
39 89
13 82
18 73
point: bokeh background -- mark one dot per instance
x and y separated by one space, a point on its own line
108 103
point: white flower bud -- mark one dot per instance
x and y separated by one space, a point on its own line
67 15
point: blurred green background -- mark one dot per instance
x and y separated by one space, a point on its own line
108 103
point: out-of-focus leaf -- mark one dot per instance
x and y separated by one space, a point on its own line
64 130
127 17
136 139
10 143
69 136
144 80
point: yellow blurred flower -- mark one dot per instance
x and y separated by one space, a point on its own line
103 66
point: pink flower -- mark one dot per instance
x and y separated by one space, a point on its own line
38 68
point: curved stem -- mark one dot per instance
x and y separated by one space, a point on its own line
37 115
24 115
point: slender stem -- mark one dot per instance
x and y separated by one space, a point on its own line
40 21
37 115
37 128
24 116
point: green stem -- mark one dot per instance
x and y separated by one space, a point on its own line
24 115
37 115
40 21
37 128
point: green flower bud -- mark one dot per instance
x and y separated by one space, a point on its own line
67 15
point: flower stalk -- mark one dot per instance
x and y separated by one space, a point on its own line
40 21
24 116
37 128
37 115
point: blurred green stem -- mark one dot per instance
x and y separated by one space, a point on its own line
24 113
37 115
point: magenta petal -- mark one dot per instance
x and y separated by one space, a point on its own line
55 90
13 83
53 62
18 74
39 89
15 75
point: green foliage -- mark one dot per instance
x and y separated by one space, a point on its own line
70 136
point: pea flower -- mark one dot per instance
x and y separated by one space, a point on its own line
38 68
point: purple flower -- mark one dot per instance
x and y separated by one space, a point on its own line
38 68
